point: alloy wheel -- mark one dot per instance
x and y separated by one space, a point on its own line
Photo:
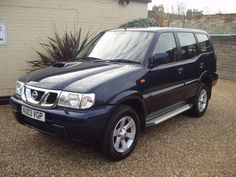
202 101
124 134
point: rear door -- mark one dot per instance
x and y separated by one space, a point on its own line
189 62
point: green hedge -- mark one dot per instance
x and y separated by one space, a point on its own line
139 23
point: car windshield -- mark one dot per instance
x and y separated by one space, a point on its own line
119 46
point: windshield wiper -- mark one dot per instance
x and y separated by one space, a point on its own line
87 58
125 61
101 60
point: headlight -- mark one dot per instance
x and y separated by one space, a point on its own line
19 88
76 100
87 101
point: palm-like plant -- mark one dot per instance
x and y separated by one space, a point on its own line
59 49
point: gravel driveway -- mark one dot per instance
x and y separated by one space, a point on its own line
179 147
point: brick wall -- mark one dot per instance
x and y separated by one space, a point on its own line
31 21
225 47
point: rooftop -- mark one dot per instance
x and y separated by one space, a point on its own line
156 29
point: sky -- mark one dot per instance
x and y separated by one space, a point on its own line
208 6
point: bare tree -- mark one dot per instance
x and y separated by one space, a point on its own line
178 9
206 10
181 11
219 11
172 9
181 8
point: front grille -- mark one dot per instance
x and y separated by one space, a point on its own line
40 94
51 98
40 97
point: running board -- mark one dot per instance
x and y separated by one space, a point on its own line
161 118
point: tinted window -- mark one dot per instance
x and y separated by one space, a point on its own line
188 45
205 45
166 44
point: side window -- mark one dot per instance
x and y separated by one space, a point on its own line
188 45
205 45
166 44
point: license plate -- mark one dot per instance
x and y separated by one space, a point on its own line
33 114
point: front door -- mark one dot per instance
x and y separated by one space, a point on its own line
165 82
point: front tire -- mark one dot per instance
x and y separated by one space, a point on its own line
200 101
121 134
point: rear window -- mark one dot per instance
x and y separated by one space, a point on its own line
188 45
204 43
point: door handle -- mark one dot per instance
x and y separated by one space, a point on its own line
180 70
202 65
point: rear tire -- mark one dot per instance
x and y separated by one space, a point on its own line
200 101
121 134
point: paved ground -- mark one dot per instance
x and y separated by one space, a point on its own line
180 147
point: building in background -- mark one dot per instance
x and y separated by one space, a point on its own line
194 13
193 18
29 22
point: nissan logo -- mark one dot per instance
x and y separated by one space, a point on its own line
35 95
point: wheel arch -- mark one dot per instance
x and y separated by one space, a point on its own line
134 100
206 78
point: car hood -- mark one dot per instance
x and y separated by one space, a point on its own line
77 76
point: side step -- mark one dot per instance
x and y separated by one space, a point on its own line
161 118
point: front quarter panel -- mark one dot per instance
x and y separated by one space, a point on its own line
108 85
116 89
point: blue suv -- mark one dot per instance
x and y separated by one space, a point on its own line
122 82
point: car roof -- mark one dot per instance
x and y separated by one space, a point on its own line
159 29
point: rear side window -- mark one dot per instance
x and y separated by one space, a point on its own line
204 43
166 44
188 45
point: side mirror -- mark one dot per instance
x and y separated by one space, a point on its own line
159 59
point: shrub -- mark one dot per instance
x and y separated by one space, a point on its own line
59 49
146 22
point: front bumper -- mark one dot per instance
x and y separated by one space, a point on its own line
77 125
